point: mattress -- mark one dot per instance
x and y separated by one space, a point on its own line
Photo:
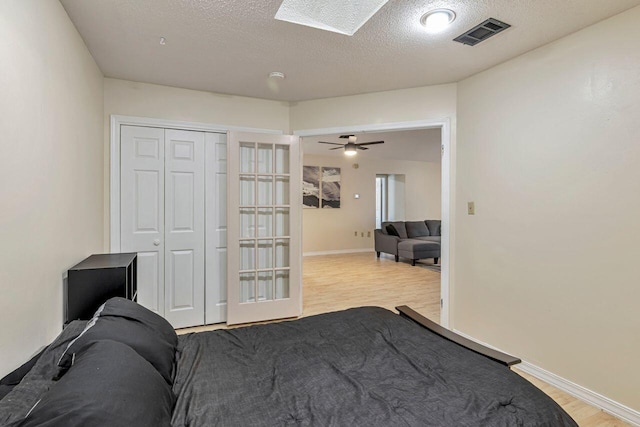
360 367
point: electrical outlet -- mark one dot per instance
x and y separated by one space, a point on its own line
355 233
368 234
471 208
362 234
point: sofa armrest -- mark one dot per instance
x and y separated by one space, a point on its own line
385 242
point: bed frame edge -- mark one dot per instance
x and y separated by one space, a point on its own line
445 333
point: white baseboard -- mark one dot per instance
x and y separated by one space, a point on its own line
610 406
340 251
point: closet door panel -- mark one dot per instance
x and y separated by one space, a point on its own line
142 209
216 224
184 227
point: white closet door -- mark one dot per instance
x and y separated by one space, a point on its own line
184 228
142 209
264 279
216 224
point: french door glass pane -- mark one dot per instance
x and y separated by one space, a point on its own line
282 221
247 190
282 284
282 190
282 159
265 190
247 255
282 253
265 222
247 287
265 285
247 222
265 254
247 157
265 158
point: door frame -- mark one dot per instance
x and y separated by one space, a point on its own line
447 192
116 121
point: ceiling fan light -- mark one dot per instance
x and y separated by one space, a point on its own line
350 149
438 19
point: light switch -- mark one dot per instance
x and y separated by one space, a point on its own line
356 196
471 208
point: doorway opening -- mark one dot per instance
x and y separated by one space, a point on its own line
390 198
353 193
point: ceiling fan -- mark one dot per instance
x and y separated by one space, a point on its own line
351 148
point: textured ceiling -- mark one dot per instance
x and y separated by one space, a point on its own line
419 145
230 46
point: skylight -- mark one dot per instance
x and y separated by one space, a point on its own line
339 16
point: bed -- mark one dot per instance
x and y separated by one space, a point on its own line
360 367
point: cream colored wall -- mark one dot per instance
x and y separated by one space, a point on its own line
326 230
126 98
423 103
50 170
548 149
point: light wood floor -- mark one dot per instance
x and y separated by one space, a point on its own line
338 282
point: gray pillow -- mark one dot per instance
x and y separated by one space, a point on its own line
417 229
434 227
391 230
400 228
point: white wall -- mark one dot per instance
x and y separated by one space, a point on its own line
50 170
548 149
325 230
128 98
423 103
396 197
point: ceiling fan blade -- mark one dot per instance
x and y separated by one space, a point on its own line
361 148
371 143
332 143
337 148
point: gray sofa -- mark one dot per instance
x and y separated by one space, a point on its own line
416 240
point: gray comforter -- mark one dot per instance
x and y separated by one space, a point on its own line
359 367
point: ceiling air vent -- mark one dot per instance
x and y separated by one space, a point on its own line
481 32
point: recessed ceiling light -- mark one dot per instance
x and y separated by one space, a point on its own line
437 19
163 41
277 74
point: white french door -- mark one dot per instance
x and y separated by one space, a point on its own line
264 277
162 218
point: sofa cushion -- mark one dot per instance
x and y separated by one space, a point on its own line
429 238
416 229
434 226
399 226
417 249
